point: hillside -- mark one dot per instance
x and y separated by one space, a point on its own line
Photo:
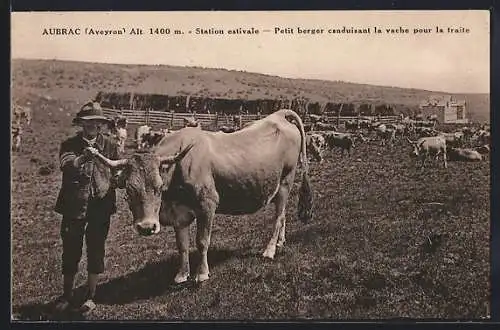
79 81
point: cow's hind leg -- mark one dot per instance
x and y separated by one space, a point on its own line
280 201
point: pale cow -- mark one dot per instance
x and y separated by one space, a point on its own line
195 174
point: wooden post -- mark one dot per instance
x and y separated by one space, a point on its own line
131 101
187 103
171 120
338 115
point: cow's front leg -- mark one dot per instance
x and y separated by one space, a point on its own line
204 220
182 240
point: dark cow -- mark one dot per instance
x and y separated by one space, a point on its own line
344 141
227 129
195 174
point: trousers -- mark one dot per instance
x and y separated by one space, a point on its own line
94 228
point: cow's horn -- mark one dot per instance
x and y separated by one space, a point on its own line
175 158
112 163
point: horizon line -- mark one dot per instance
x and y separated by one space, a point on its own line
252 72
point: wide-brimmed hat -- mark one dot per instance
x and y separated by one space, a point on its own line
90 111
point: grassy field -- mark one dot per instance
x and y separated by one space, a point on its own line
375 249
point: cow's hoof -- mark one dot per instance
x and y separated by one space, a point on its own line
268 254
181 278
201 278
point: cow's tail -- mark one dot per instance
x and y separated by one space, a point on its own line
305 207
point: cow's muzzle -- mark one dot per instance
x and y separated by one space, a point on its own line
147 228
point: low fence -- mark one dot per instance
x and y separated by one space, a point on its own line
209 121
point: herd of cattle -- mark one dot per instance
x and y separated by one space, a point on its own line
428 142
321 136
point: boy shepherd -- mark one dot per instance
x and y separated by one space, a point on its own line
86 201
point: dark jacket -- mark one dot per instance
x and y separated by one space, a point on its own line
91 183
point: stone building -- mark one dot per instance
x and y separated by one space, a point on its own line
445 110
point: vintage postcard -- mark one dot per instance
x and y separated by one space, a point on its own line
260 165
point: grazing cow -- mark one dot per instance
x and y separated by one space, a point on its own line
320 126
227 129
315 144
461 154
429 146
139 135
344 141
195 174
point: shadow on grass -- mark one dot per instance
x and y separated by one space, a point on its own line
45 312
153 280
156 279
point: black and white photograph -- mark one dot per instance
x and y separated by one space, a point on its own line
250 165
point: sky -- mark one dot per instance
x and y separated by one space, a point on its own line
457 62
